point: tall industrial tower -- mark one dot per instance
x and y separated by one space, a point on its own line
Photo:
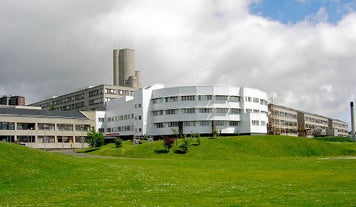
124 69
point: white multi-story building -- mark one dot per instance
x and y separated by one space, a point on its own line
156 111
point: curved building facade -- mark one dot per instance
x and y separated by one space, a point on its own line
158 111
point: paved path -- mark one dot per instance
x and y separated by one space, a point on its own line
73 153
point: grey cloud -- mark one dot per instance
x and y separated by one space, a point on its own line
50 49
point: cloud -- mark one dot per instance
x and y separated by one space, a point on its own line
53 49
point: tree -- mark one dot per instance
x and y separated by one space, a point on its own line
95 139
118 142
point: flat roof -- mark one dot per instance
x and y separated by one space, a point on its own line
10 111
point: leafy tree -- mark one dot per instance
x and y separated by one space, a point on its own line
215 133
118 142
168 142
95 139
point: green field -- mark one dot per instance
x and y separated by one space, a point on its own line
234 171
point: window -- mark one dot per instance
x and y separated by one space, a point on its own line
263 123
205 97
101 119
256 100
110 91
95 101
172 124
234 123
235 111
46 127
159 125
138 105
171 99
221 110
256 111
25 126
205 123
65 127
170 111
94 93
255 123
248 110
221 98
189 123
79 105
82 127
248 99
205 110
220 123
188 110
187 98
7 125
158 113
79 96
157 100
234 99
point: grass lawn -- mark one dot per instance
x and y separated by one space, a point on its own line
241 171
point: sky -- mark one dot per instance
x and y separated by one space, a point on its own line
301 51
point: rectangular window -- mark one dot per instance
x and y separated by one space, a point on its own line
255 123
170 111
7 125
110 91
256 100
172 124
248 110
65 127
248 99
220 123
158 113
79 105
46 126
221 110
234 123
234 99
187 98
157 100
188 110
256 111
159 125
263 123
82 127
171 99
235 111
189 123
205 110
79 96
205 97
205 123
221 98
25 126
101 119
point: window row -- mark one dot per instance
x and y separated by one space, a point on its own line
196 97
196 123
285 114
256 100
258 123
123 117
196 110
118 92
43 126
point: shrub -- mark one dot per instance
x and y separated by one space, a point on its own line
168 142
118 142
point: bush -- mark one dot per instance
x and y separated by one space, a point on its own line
168 142
118 142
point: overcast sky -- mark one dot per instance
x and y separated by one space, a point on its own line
303 51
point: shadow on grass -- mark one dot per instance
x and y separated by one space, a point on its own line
161 151
180 152
87 150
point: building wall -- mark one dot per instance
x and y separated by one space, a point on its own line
12 100
282 120
155 111
91 98
286 121
46 133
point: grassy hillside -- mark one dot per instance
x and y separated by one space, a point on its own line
234 148
269 173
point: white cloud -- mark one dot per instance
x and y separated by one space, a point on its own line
56 49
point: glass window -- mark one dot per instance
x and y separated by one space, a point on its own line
221 98
205 97
187 98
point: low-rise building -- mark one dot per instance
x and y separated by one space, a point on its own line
158 111
282 120
86 99
45 129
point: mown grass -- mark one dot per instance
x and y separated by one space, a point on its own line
242 171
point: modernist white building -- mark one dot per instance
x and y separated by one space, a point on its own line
157 111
